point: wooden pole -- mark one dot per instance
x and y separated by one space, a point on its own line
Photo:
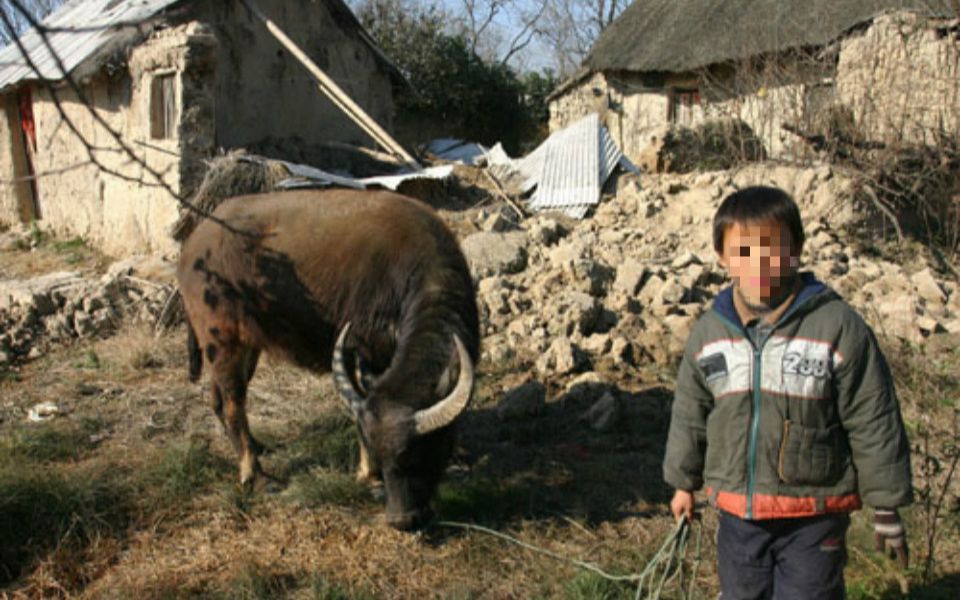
333 91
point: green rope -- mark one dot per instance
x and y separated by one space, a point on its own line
674 547
545 552
667 562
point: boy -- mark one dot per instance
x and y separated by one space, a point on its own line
785 413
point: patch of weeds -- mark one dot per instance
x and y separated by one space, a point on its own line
321 589
872 589
179 474
591 586
89 360
36 235
145 358
42 509
71 245
485 501
9 375
257 582
74 249
73 258
321 487
46 442
329 442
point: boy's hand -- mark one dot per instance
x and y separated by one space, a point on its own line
682 505
890 536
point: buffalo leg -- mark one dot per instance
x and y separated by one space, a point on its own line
231 371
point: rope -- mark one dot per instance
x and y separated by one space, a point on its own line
667 561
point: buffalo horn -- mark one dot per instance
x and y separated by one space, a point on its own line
444 412
344 384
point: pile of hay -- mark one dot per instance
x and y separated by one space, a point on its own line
234 174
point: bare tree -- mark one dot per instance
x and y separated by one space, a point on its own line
569 28
499 30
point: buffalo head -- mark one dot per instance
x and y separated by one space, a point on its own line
407 448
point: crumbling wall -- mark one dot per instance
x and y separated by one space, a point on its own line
637 112
120 207
765 112
263 91
628 106
900 77
588 96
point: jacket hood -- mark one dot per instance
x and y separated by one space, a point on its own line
813 293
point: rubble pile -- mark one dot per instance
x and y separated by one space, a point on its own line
571 303
623 288
54 308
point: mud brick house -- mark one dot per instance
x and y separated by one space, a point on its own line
177 80
888 67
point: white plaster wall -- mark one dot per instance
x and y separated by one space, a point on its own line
8 194
117 206
765 112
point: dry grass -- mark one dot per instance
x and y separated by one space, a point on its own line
38 253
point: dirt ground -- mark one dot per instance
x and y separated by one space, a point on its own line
131 490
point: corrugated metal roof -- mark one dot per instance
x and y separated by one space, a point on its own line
79 30
571 166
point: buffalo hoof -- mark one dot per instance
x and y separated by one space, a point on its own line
410 521
378 492
261 483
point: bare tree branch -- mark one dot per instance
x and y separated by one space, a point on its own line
525 35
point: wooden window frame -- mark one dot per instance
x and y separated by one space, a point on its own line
163 106
687 97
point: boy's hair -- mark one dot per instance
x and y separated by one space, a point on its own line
756 204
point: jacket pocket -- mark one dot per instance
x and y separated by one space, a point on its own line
810 456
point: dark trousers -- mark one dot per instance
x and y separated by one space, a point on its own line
782 559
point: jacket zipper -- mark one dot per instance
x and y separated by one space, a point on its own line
754 428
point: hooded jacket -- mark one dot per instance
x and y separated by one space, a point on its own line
799 419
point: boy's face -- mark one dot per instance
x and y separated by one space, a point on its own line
761 259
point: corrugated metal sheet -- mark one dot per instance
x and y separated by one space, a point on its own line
571 166
81 30
468 153
569 179
305 176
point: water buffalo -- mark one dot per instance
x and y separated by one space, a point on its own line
370 285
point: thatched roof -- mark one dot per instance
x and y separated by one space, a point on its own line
683 35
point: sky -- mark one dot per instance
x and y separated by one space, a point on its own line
534 57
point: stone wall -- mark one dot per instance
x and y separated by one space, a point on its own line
901 78
765 111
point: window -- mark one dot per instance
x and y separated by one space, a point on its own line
163 106
682 106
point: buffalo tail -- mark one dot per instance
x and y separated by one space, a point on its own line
193 352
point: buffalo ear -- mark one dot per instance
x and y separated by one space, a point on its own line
352 397
444 412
